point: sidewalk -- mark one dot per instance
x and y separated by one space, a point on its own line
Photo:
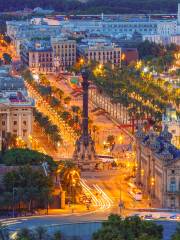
73 208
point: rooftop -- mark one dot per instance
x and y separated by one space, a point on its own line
159 144
17 100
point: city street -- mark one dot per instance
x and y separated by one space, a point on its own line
52 221
103 121
106 127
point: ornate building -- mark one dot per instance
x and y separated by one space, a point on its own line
158 167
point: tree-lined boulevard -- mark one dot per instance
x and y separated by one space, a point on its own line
120 97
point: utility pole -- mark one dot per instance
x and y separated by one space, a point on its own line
13 201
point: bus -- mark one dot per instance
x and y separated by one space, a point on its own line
136 194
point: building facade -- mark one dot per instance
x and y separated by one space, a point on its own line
48 56
37 55
16 108
158 168
20 31
102 53
171 119
64 53
16 116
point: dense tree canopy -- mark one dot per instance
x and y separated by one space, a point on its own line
19 157
176 235
30 185
130 228
95 6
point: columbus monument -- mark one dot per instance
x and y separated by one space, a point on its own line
84 154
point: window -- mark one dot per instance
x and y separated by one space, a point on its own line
172 202
172 186
15 123
3 123
24 122
24 133
15 132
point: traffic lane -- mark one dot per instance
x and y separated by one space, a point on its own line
168 226
35 221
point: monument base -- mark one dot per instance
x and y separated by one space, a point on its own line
84 154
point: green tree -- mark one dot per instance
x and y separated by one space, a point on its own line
57 236
130 228
7 58
31 185
41 233
24 234
19 157
176 235
70 179
44 80
27 75
67 100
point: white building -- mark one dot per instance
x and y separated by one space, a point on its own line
20 31
16 108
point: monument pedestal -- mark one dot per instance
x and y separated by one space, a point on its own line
84 154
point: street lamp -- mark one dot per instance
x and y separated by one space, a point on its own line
142 172
81 61
14 189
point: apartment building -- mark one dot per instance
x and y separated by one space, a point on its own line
37 55
102 53
48 56
64 53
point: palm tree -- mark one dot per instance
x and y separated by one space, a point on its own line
24 233
70 179
67 100
76 113
57 236
40 233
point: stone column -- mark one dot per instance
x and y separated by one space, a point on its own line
8 122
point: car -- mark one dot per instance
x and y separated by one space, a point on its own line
148 217
162 218
173 217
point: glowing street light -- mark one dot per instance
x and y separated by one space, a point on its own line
146 69
120 139
81 61
142 172
152 181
